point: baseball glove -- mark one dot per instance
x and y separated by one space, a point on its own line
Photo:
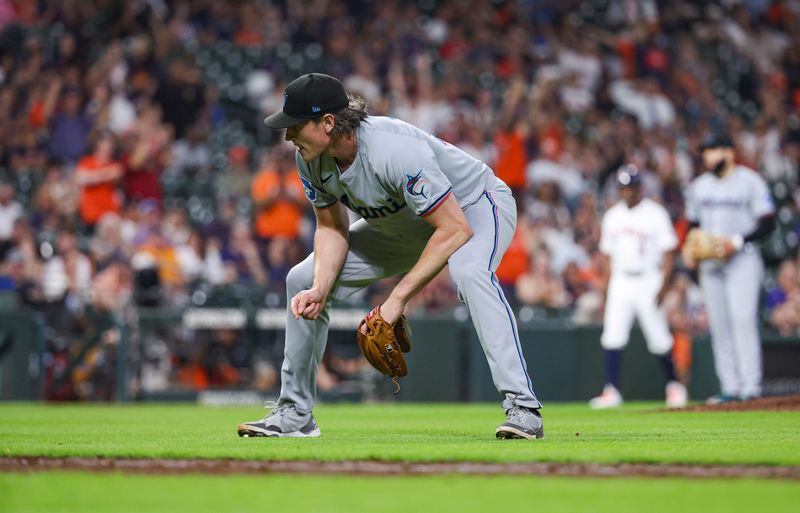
701 245
383 344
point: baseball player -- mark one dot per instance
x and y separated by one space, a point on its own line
638 238
424 204
731 203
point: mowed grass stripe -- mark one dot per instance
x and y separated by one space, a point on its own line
118 493
404 432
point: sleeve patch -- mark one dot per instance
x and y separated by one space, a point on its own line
311 192
415 185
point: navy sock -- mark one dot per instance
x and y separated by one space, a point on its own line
669 368
613 361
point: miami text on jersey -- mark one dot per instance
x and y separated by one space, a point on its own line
735 203
373 212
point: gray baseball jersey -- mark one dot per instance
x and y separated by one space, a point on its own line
731 206
400 175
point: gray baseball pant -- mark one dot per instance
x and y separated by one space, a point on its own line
374 255
731 292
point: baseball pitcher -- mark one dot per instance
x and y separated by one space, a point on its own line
424 204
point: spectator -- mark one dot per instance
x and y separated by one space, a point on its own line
510 141
57 194
190 155
234 182
146 156
644 100
782 302
10 212
181 96
69 128
278 198
97 175
241 257
201 260
540 286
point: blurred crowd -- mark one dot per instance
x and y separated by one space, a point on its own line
134 169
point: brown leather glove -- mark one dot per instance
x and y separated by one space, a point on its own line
701 245
383 344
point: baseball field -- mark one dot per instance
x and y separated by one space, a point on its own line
396 458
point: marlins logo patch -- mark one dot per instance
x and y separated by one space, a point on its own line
311 192
415 185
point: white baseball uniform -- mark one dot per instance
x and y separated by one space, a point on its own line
636 239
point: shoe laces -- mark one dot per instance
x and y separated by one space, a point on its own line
519 415
276 409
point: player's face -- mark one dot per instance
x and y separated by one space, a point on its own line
630 195
712 156
310 138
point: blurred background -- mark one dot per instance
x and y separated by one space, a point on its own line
166 279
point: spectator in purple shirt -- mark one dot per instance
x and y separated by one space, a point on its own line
69 128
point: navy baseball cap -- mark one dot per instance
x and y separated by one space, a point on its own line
308 97
716 140
628 176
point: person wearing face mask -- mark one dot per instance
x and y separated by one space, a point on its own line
733 203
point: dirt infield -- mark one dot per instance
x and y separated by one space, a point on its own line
784 403
391 468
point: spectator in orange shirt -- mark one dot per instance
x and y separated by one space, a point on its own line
97 175
516 261
278 198
510 139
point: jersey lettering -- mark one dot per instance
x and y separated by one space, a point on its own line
373 212
734 203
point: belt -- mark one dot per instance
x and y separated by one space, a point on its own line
634 274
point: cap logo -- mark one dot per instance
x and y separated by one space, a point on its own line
315 109
285 98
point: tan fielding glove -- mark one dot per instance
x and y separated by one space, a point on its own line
702 245
383 345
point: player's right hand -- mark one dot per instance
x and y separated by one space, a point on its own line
308 304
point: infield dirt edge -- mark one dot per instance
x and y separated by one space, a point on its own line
391 468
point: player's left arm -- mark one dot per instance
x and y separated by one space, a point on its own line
763 208
452 230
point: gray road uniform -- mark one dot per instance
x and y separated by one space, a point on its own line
400 175
732 206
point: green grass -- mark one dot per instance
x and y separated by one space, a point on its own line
573 433
117 493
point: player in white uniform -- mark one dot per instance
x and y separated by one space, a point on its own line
424 204
733 202
638 238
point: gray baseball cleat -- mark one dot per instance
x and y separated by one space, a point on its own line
522 423
282 422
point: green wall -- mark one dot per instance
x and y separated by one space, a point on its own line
447 362
21 346
565 363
